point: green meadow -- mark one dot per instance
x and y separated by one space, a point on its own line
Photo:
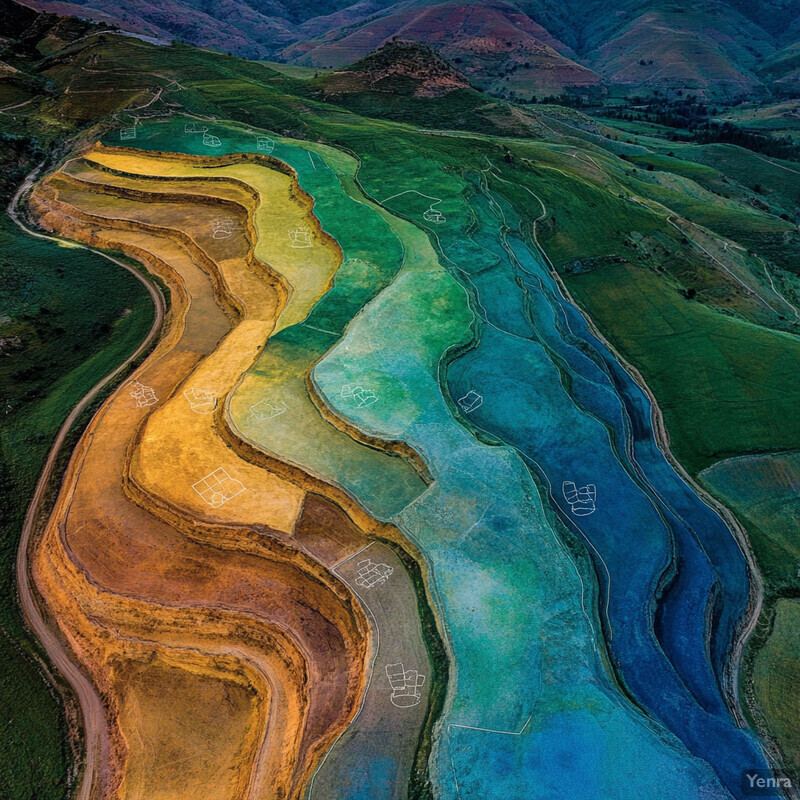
764 491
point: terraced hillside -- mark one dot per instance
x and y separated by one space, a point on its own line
420 492
384 411
278 664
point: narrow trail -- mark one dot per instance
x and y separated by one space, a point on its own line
91 707
150 102
18 105
774 164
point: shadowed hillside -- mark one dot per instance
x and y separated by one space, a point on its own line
496 45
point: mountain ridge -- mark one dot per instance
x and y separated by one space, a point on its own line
717 49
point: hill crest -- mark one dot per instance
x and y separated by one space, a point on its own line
398 67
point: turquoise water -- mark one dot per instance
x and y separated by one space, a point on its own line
525 647
560 397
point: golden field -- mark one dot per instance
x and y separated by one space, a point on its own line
227 655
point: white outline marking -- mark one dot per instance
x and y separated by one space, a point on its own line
223 227
405 685
143 395
201 401
363 397
218 487
300 237
371 574
581 499
261 413
469 404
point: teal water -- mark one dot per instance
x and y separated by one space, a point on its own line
518 615
560 396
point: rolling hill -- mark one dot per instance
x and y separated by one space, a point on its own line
708 50
401 68
497 46
408 80
683 254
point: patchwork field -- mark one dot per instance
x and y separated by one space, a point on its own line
419 314
338 493
465 461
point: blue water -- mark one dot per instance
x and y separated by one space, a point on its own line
558 395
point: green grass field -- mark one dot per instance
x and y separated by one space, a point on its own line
762 490
721 382
776 673
777 119
67 317
295 71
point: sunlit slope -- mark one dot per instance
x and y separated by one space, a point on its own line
306 264
172 439
161 580
273 405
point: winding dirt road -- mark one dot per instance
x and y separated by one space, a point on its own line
95 734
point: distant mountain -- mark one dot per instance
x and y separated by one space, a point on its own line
228 26
706 48
782 69
498 47
720 49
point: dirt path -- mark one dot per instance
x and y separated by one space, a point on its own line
11 108
96 737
